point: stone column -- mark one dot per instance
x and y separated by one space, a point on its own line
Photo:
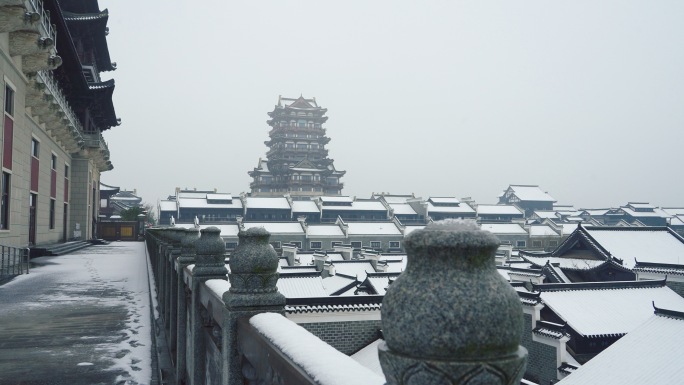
209 264
174 251
187 257
450 318
253 277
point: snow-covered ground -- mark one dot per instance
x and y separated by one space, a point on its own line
82 318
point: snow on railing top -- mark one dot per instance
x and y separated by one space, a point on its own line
321 361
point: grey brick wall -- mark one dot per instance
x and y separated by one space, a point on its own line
541 362
348 337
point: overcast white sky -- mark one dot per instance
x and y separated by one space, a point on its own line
438 98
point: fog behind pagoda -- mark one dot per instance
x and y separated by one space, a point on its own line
440 98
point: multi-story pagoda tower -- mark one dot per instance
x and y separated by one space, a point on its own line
297 162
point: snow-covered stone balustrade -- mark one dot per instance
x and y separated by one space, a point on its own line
449 319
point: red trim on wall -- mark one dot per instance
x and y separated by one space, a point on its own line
35 168
8 140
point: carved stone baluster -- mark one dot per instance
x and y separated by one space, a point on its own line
187 257
253 277
450 318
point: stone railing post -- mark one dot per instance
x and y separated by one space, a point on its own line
209 264
253 277
179 345
164 245
176 235
450 318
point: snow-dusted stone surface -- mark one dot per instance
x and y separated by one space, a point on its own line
319 360
451 317
82 318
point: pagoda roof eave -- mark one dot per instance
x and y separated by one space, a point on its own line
101 93
71 63
96 24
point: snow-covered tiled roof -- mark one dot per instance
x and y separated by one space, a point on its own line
373 228
368 357
662 269
402 209
642 244
542 231
531 193
545 214
596 212
397 266
460 209
192 194
444 200
503 228
167 205
391 199
677 220
498 210
324 231
658 213
326 308
277 227
285 269
609 311
304 286
359 206
380 284
356 269
568 228
203 203
673 210
564 263
304 207
409 229
219 197
503 271
267 203
650 353
336 199
336 283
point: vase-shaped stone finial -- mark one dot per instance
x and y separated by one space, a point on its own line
210 261
188 251
450 318
254 263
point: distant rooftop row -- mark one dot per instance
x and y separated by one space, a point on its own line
518 203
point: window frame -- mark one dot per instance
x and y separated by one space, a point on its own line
35 147
314 247
398 244
9 99
5 200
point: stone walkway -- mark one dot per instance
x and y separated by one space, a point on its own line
82 318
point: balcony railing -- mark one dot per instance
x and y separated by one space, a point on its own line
49 29
229 327
50 83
